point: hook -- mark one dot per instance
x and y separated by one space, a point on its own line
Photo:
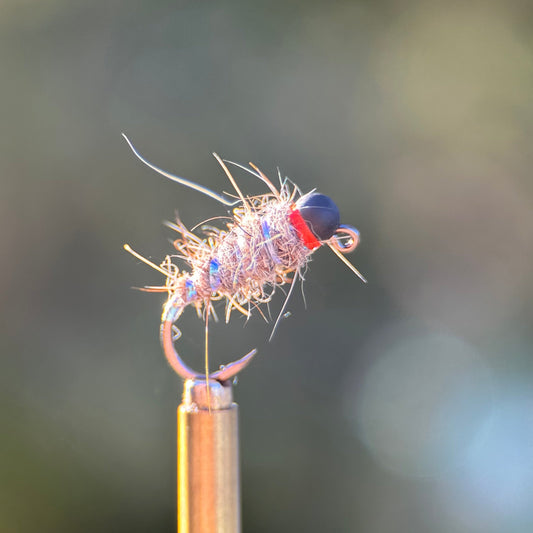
170 314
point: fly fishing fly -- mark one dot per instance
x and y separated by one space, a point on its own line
266 244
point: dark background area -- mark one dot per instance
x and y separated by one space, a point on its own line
404 405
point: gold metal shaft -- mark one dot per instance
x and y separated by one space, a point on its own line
208 459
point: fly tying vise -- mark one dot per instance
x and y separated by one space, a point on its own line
268 238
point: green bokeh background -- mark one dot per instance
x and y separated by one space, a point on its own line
415 117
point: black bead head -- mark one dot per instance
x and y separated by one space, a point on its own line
320 214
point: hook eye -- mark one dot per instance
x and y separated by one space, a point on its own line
345 239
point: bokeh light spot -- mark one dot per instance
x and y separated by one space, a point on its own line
421 404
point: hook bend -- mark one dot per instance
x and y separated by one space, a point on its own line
225 373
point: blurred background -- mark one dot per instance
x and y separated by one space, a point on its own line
404 405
